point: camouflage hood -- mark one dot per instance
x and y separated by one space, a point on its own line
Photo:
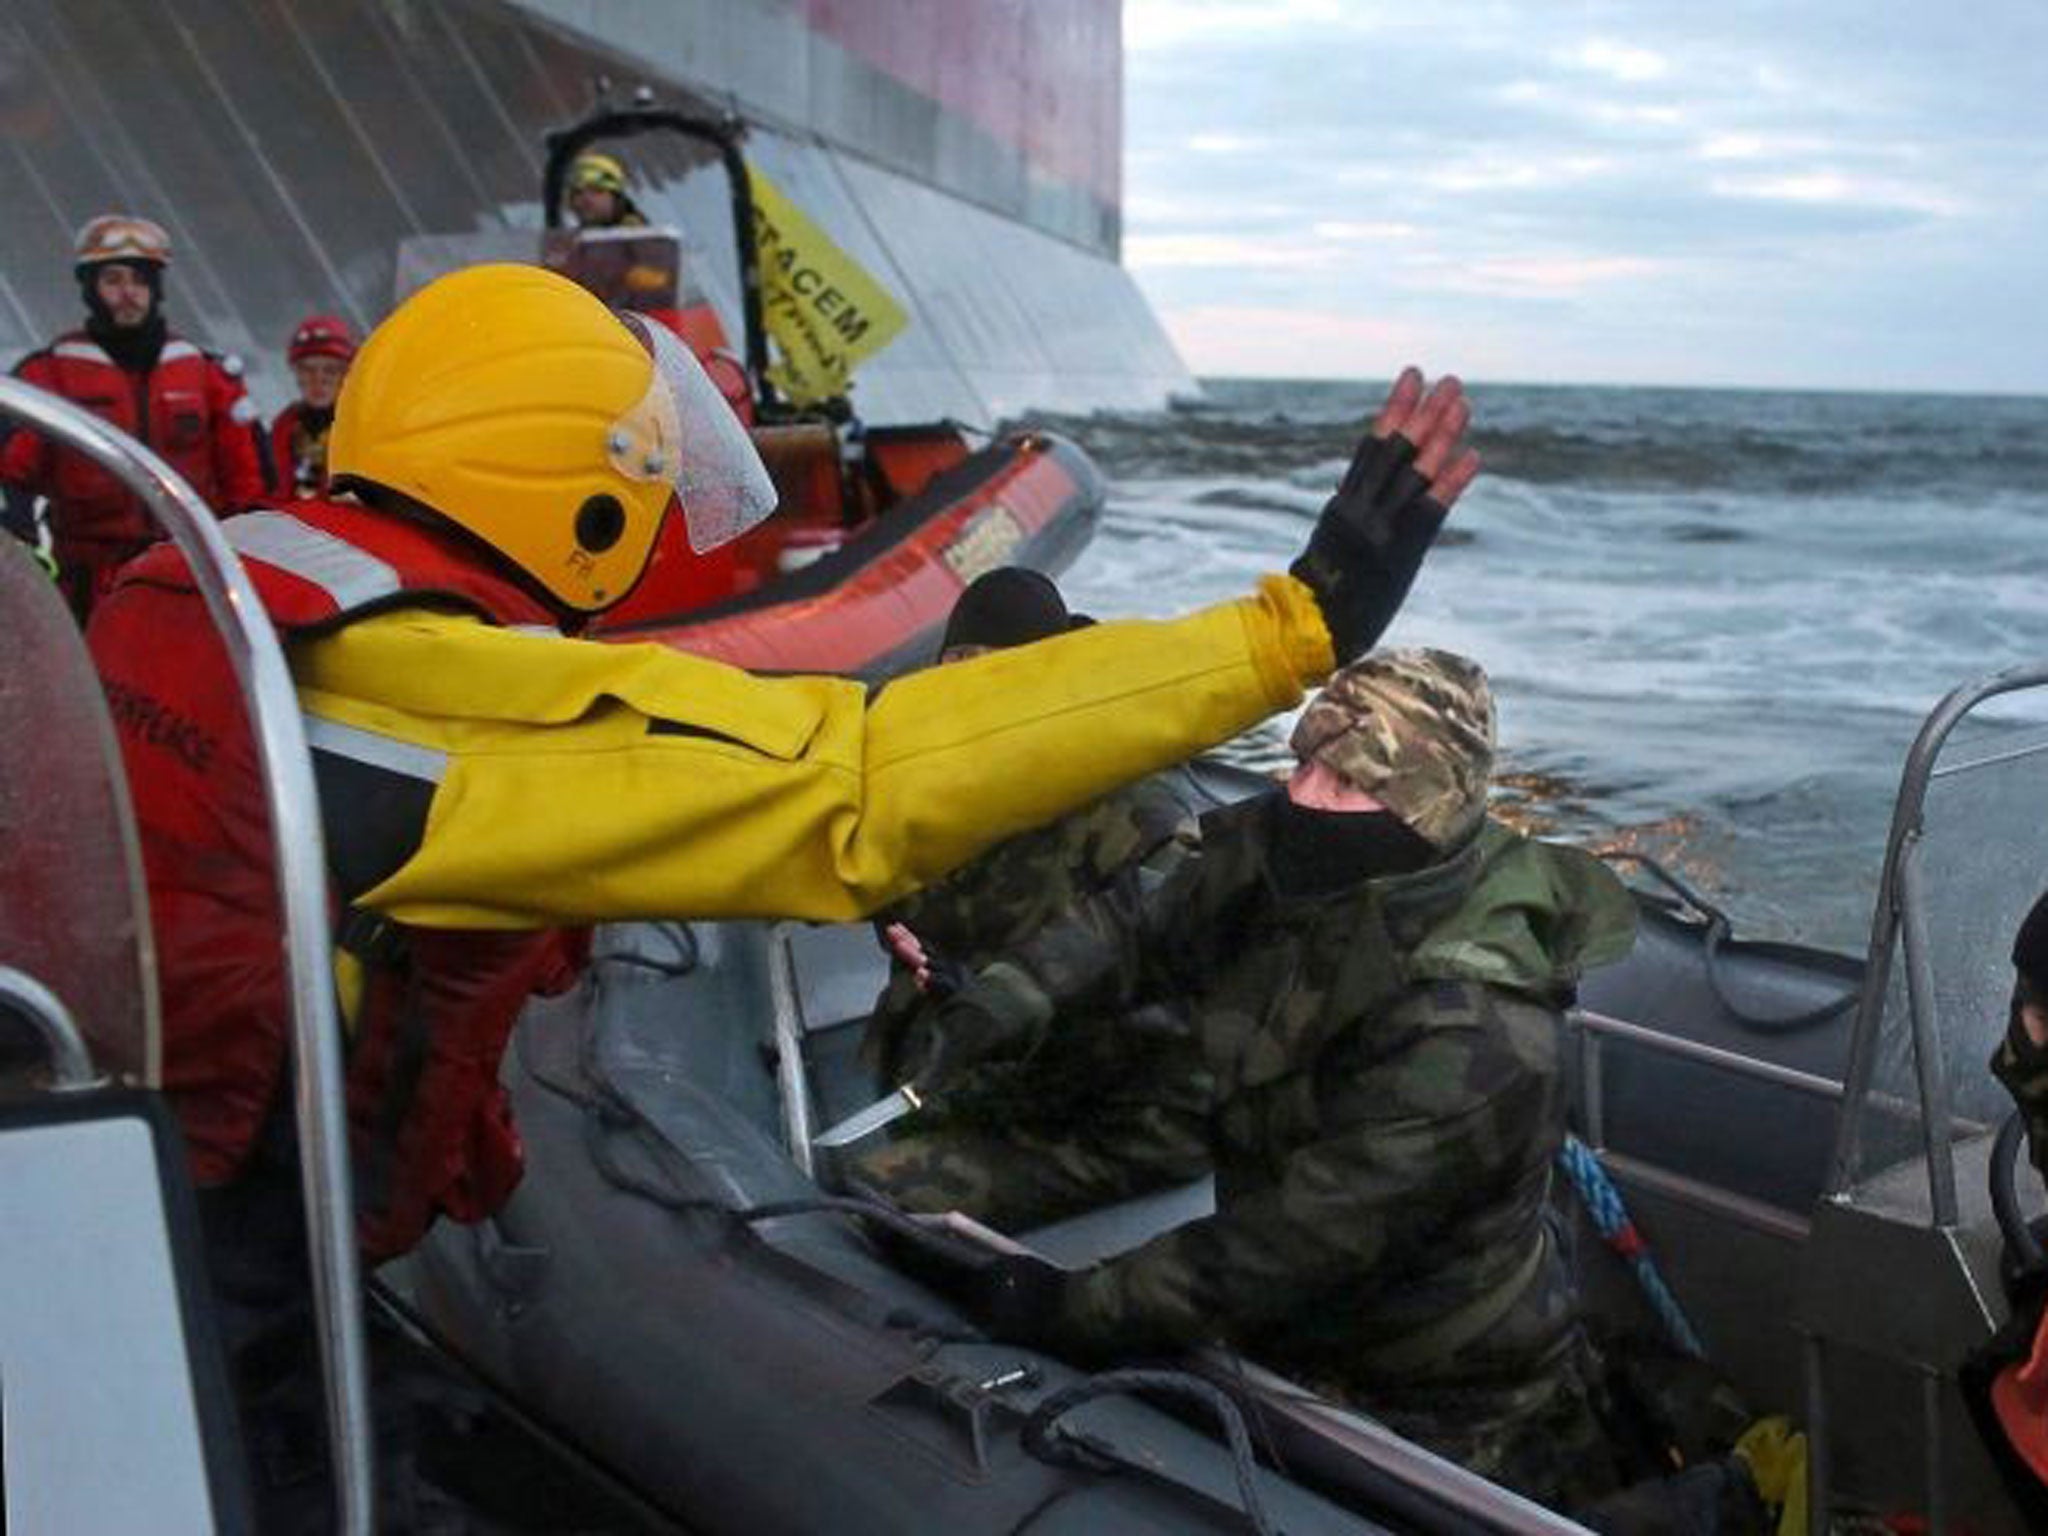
1413 729
1540 916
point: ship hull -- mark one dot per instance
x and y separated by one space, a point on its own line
966 156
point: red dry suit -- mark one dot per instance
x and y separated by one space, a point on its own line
298 451
430 1127
190 407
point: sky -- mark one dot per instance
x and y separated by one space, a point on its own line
1833 194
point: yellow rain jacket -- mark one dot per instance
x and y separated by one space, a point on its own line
578 782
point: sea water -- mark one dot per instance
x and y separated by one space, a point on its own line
1714 618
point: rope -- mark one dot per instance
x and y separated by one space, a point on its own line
867 1207
1719 932
681 936
1612 1221
2006 1153
1040 1440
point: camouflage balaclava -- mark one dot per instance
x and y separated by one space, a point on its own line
1413 729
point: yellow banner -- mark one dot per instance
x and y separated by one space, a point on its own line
824 310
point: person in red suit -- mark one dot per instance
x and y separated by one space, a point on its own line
128 366
319 353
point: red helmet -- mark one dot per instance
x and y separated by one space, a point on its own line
321 336
122 237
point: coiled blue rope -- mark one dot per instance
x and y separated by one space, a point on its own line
1611 1220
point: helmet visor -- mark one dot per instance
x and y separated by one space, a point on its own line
683 432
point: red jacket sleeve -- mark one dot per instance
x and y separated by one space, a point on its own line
238 471
25 458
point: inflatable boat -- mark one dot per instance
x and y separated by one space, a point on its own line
877 529
871 600
1804 1140
677 1313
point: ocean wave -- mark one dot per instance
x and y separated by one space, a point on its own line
1785 444
1722 612
1705 533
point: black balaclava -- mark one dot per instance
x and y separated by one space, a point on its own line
134 348
2030 946
1007 606
2030 960
1315 853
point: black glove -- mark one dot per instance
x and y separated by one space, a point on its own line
1018 1297
970 1028
937 974
1369 543
945 977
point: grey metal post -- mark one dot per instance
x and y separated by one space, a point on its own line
287 768
1820 1492
1592 1080
790 1073
1928 1065
1930 1417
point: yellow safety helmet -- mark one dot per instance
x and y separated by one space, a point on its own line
511 402
605 173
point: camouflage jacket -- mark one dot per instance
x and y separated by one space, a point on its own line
1389 1102
996 903
2023 1067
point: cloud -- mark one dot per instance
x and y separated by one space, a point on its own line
1152 26
1541 166
1231 252
1229 144
1350 231
1839 189
1749 146
1494 173
1619 61
1542 275
1285 341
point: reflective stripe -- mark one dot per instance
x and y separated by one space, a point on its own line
386 752
175 349
81 351
349 577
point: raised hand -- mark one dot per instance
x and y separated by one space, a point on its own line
1370 541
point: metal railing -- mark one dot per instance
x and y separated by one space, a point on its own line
1899 920
1900 923
1592 1029
286 768
792 1074
1468 1500
71 1064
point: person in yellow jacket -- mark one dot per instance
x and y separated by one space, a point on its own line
502 454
